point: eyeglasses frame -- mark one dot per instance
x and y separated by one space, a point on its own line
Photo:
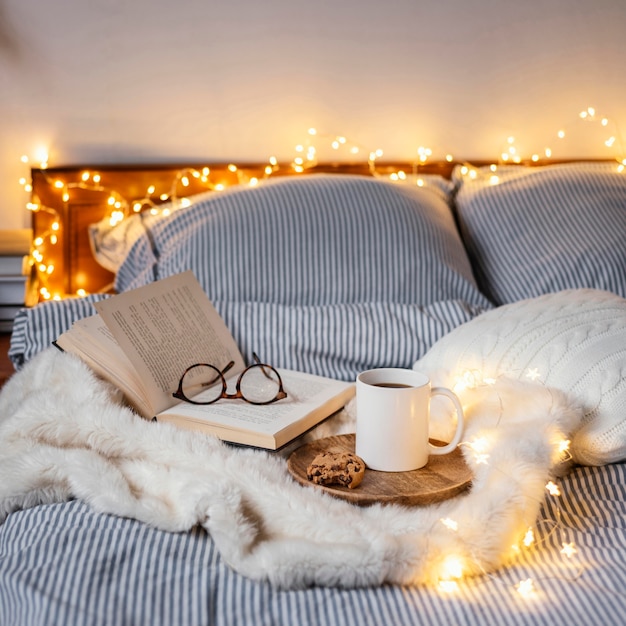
224 395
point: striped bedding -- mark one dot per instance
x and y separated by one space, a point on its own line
330 275
532 231
64 564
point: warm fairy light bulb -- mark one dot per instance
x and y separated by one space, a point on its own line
561 134
448 586
185 181
569 550
533 373
96 178
55 226
450 524
423 153
553 489
85 176
529 538
41 156
452 568
312 131
232 167
151 189
59 184
116 217
525 587
163 197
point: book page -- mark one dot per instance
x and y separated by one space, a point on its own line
91 340
165 327
308 398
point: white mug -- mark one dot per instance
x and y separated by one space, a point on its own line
392 419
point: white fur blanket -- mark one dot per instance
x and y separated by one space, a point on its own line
64 434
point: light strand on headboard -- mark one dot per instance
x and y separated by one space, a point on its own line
306 157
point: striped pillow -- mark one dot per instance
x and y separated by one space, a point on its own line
335 340
315 240
532 231
325 274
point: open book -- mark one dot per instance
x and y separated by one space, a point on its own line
143 340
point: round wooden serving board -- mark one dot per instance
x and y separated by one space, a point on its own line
445 476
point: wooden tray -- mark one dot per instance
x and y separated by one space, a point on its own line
445 476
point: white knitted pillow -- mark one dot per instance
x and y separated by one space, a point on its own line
574 340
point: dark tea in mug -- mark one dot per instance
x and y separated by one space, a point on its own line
391 385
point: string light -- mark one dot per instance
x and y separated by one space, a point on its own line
525 587
306 157
533 374
455 567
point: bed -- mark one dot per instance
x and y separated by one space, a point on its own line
505 283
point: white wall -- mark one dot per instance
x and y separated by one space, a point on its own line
163 80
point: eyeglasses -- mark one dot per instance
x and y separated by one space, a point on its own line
203 383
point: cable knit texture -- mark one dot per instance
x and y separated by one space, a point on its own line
574 341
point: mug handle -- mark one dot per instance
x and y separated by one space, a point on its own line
442 391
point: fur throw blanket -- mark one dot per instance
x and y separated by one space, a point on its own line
65 434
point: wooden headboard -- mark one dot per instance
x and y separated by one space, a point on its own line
65 200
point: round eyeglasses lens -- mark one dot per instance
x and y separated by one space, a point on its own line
259 384
202 383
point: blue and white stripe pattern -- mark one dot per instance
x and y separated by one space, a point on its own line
65 564
313 240
531 231
335 340
326 274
